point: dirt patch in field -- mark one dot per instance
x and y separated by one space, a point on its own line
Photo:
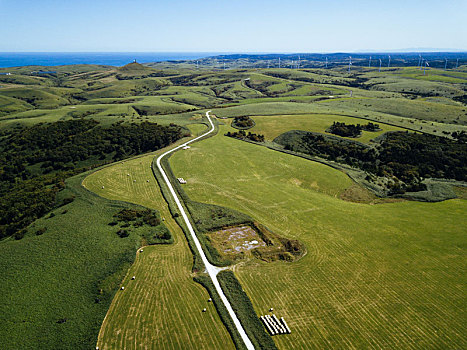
248 241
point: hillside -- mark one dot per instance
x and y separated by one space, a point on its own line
326 164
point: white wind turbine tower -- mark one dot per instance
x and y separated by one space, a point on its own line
298 64
389 62
380 62
421 63
446 64
350 62
327 62
279 62
369 62
424 67
457 63
420 60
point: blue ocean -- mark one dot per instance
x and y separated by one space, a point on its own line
15 59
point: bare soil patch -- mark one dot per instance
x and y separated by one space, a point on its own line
254 241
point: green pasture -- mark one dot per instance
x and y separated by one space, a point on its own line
56 287
375 275
273 126
162 307
415 109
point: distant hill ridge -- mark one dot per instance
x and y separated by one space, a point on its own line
134 67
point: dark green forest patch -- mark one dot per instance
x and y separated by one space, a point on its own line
243 123
35 161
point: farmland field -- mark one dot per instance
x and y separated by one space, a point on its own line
375 276
162 307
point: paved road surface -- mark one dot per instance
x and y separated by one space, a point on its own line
211 269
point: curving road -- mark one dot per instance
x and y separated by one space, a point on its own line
211 269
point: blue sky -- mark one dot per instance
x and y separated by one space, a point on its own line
231 26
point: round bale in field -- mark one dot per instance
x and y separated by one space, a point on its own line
133 277
204 310
140 250
122 288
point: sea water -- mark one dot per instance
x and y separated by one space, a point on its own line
15 59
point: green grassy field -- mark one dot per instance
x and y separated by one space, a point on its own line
51 282
375 276
273 126
162 307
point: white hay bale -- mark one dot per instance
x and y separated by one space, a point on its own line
140 250
102 187
133 277
204 310
122 288
209 300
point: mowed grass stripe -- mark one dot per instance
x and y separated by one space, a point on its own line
162 307
375 276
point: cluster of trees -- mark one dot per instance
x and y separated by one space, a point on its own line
351 130
242 135
243 123
35 161
138 217
407 157
460 136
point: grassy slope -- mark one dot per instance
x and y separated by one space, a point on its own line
273 126
388 275
57 275
161 309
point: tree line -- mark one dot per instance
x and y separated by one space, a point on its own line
351 130
406 157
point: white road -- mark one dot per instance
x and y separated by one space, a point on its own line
211 269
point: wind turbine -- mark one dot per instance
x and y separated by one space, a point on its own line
380 65
424 67
446 64
197 64
298 65
224 65
327 62
420 61
457 63
369 62
389 62
279 62
350 62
